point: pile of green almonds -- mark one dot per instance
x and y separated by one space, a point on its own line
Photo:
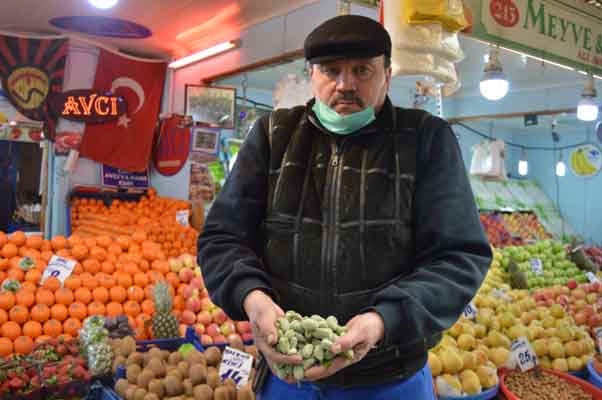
311 338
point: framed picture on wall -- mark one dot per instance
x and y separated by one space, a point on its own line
211 106
205 140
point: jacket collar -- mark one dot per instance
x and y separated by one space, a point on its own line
384 119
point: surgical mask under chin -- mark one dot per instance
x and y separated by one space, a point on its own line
342 124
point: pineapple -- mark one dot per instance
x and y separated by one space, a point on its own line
165 324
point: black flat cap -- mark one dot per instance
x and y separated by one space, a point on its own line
347 36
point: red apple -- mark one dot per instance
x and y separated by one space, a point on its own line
595 287
247 337
588 310
197 282
233 338
188 317
227 328
565 290
188 292
186 275
595 321
206 304
572 284
243 327
578 294
562 299
193 304
213 330
539 296
203 293
219 316
591 298
579 304
580 318
206 340
199 329
220 339
204 317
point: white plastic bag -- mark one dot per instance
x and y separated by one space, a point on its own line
489 160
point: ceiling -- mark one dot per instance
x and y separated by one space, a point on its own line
179 27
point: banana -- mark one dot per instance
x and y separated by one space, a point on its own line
586 167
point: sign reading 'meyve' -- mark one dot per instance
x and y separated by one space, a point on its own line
87 106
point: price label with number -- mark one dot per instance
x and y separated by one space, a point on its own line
536 266
523 354
236 365
592 277
58 267
470 312
182 217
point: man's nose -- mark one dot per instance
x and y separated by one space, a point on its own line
346 81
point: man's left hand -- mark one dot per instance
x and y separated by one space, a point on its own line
364 331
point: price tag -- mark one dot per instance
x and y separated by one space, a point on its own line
236 365
592 277
536 266
58 267
523 354
598 333
182 217
470 312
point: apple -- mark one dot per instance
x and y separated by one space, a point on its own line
247 337
594 321
591 298
193 304
227 328
187 261
578 294
186 275
579 304
588 310
199 329
572 284
565 290
243 327
206 340
220 339
188 317
219 316
197 282
213 330
175 265
234 338
204 317
206 304
188 292
183 328
580 318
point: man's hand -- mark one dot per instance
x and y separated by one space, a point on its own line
263 314
364 331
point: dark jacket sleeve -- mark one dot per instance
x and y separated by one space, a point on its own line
451 254
229 245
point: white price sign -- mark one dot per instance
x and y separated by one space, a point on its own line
236 365
182 217
524 355
592 277
537 266
58 267
470 312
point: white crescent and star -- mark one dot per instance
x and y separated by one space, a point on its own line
131 84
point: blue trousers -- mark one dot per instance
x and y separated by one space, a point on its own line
417 387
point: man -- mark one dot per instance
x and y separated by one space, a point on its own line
349 207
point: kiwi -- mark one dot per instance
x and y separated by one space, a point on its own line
229 382
183 367
156 365
195 357
188 387
176 372
132 373
203 392
213 379
165 354
156 386
174 358
135 358
127 346
173 386
198 374
221 393
145 377
213 356
121 386
151 396
130 392
245 393
119 361
139 394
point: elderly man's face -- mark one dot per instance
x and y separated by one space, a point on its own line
351 85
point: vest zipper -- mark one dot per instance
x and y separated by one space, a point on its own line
334 198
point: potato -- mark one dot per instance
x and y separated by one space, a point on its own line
203 392
252 350
132 373
127 346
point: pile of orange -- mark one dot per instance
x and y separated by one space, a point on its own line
112 277
154 215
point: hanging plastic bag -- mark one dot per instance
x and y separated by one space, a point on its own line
448 13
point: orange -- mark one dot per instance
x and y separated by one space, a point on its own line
144 265
74 240
79 252
107 267
42 338
123 242
23 345
106 281
17 238
25 297
16 274
33 329
58 243
9 250
78 269
178 303
7 300
78 311
96 308
6 347
130 268
33 276
118 294
4 264
89 242
64 253
73 282
83 295
40 312
53 328
148 292
90 283
131 308
103 241
44 296
114 249
148 307
29 286
98 253
11 330
46 246
71 326
101 295
173 279
135 293
141 279
19 314
114 309
139 236
53 284
3 239
46 255
34 242
124 279
64 296
3 317
91 266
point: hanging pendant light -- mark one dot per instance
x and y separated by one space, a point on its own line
494 84
523 164
560 166
588 109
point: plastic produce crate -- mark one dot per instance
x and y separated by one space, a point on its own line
587 387
100 392
594 378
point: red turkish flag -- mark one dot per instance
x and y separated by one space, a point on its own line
126 143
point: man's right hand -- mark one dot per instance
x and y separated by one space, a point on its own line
263 314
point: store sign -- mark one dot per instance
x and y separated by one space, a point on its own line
87 106
117 178
586 160
549 29
173 145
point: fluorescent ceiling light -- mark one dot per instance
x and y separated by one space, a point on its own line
103 4
206 53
